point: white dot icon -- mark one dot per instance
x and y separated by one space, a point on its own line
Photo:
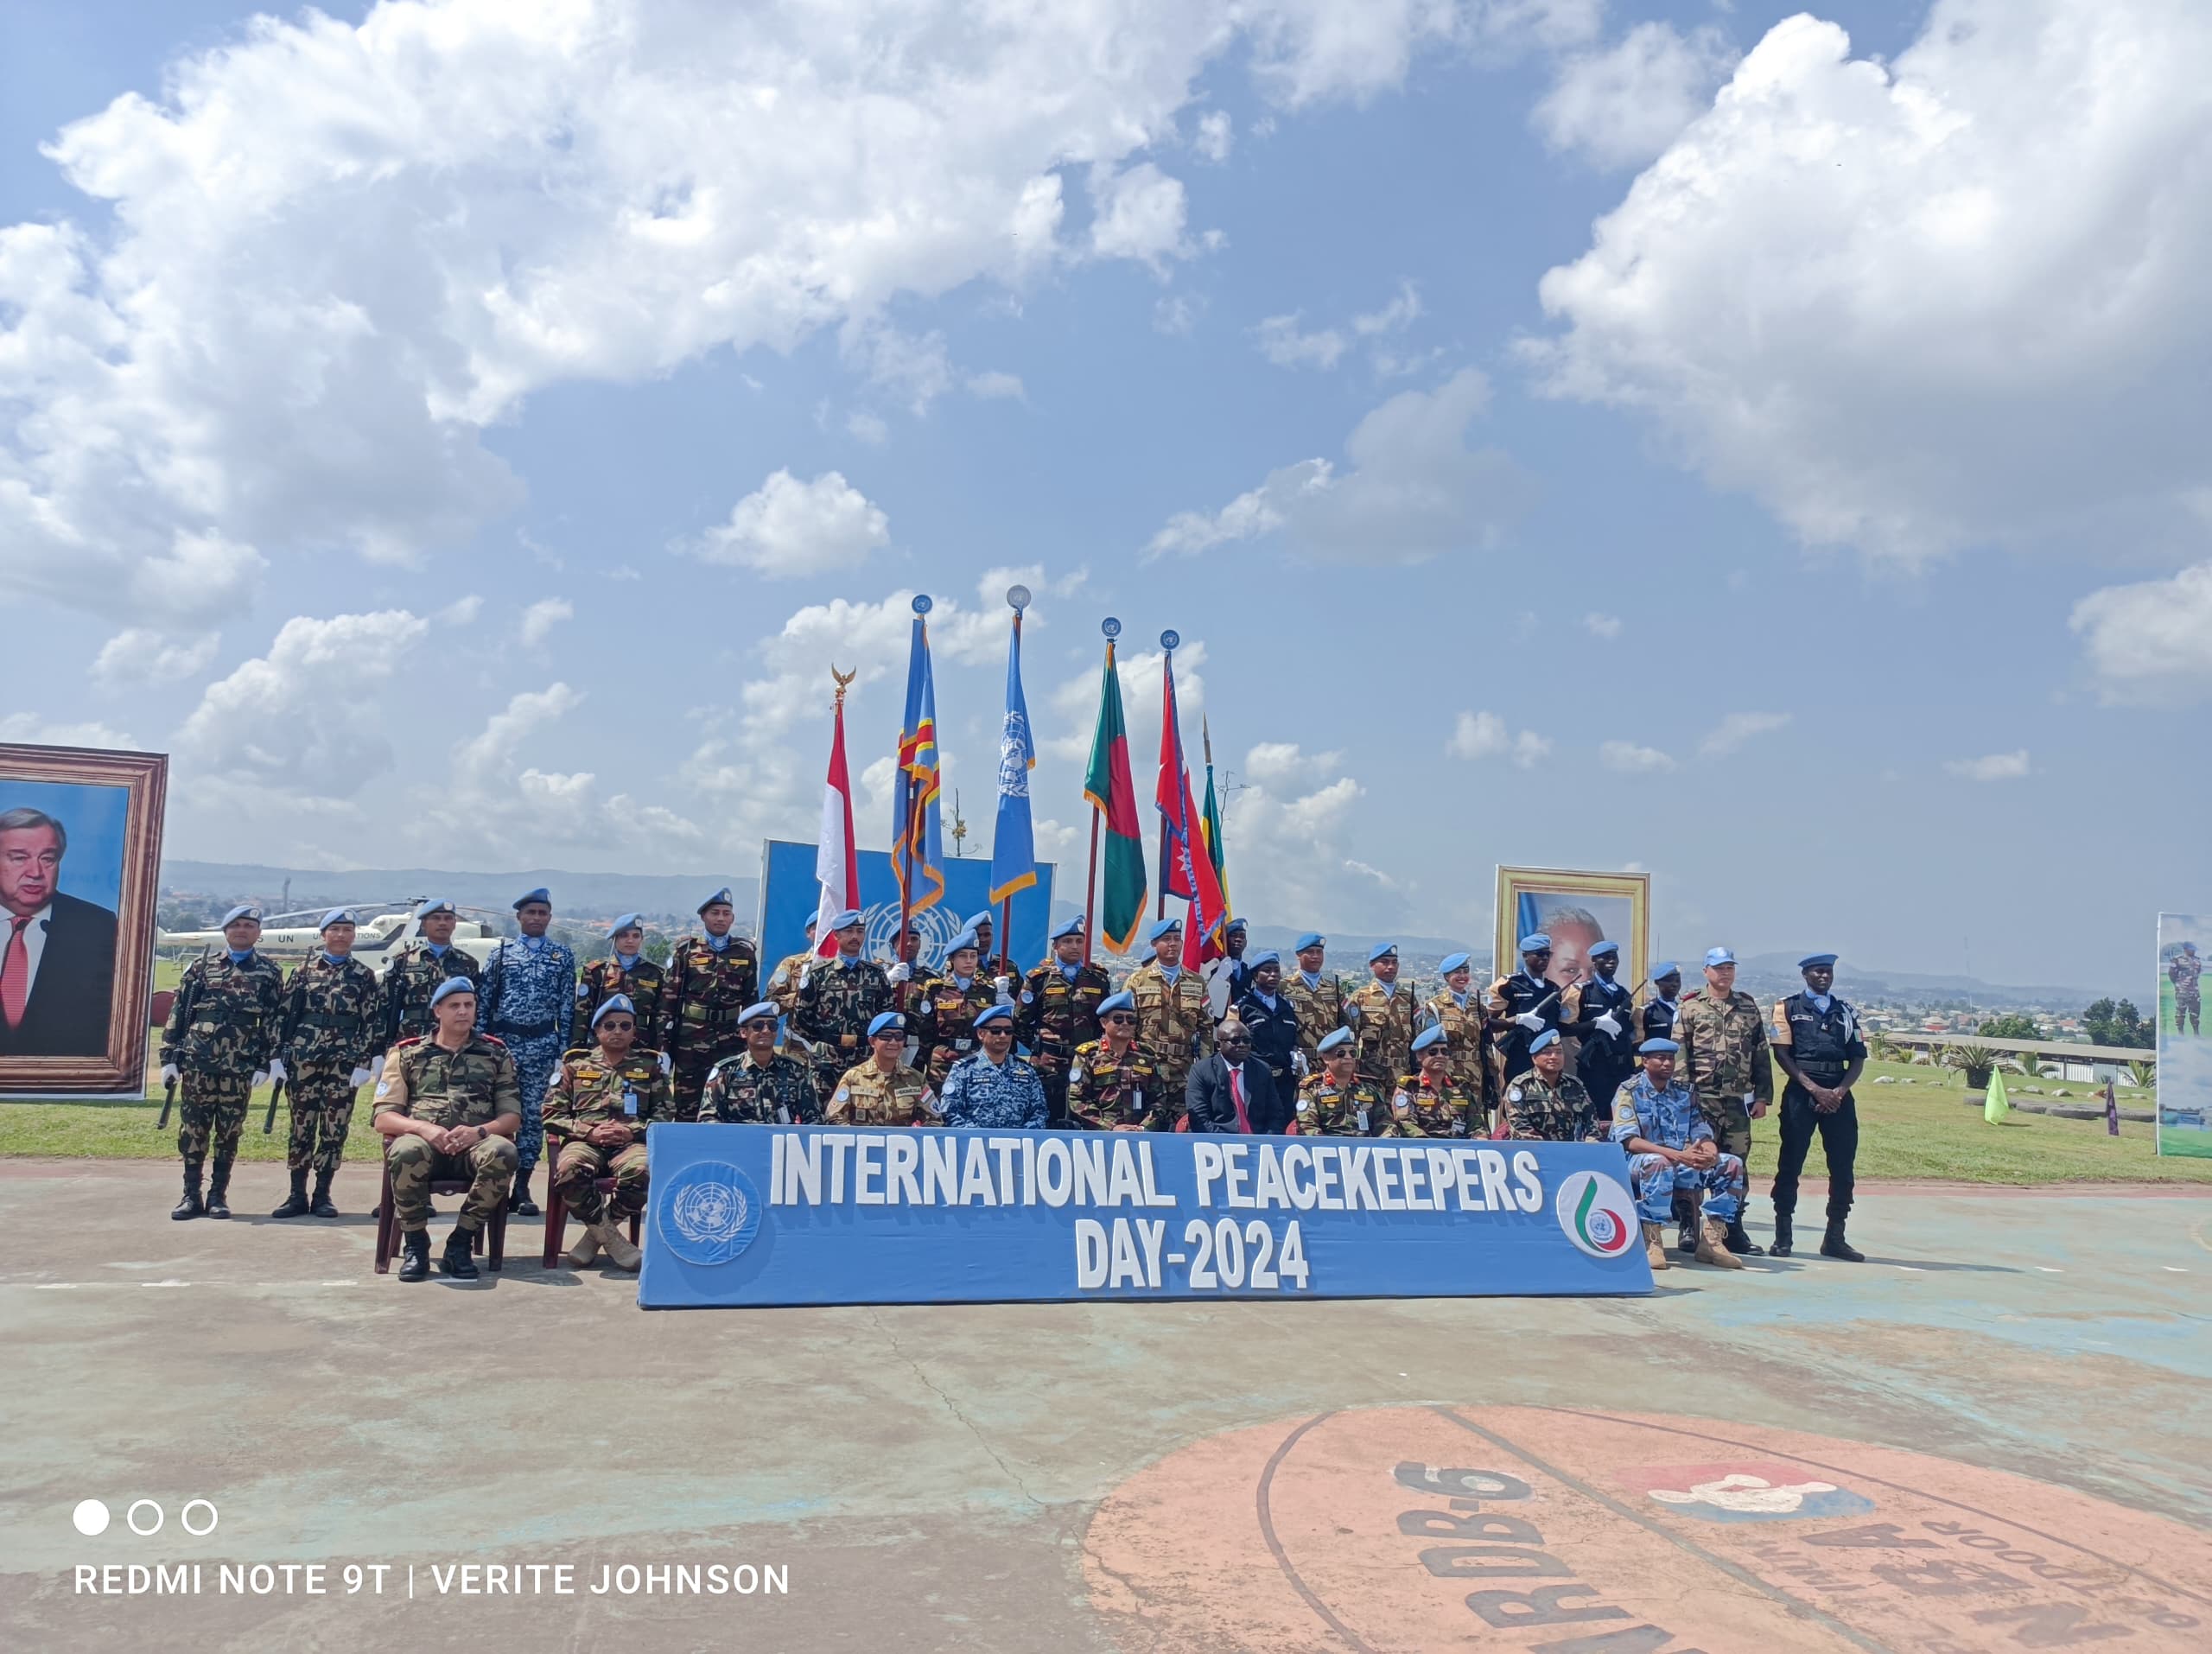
91 1517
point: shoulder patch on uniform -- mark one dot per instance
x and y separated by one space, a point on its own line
1513 1095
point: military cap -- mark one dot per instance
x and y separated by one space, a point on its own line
991 1014
244 910
1068 927
1597 948
1269 957
1334 1039
967 939
337 916
1548 1037
1311 939
615 1002
753 1013
1453 962
1432 1035
1537 942
628 921
722 895
1113 1003
1812 959
2188 947
430 904
1718 957
1235 925
1381 951
976 922
1665 968
529 896
1165 927
887 1022
453 985
846 920
1657 1047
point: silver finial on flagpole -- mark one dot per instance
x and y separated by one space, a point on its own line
1017 598
1110 627
922 603
1170 640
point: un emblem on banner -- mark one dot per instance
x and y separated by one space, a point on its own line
936 927
709 1212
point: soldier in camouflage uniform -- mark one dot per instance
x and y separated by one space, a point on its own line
2186 972
881 1090
625 971
220 1044
1549 1104
1382 1013
711 977
448 1106
946 1011
333 1012
1059 1011
906 971
837 1000
1432 1103
1457 1009
524 1000
1114 1082
1173 1023
596 1112
783 985
1725 1059
760 1085
1316 995
417 969
1336 1102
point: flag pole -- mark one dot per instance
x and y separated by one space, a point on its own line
1017 598
1167 642
905 847
1112 628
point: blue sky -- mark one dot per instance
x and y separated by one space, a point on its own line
468 440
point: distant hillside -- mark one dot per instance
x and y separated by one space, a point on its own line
674 897
1861 981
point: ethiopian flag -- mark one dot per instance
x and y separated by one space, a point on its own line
1114 796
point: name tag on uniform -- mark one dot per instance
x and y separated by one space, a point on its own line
630 1103
1363 1119
961 1044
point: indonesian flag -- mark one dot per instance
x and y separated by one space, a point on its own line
837 861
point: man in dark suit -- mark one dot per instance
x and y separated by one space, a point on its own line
1232 1089
57 953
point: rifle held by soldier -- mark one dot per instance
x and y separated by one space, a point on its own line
269 1120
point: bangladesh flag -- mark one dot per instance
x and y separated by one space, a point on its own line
1114 795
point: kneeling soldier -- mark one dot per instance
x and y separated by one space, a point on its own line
1548 1104
448 1106
883 1090
760 1085
1114 1082
1433 1103
1336 1102
597 1113
1670 1146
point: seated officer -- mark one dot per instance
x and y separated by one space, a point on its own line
1115 1082
1433 1103
993 1088
760 1085
448 1107
596 1112
1336 1102
1547 1102
883 1090
1670 1146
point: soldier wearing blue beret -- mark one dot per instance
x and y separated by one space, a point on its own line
1522 1007
527 999
1317 994
1818 1046
221 1041
1383 1013
711 977
327 1037
1058 1012
419 967
1724 1061
838 999
1174 1020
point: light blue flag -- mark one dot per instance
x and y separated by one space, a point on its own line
1014 845
917 850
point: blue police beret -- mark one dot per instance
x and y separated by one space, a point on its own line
991 1014
1068 927
615 1002
1381 950
244 910
1333 1040
1235 925
1597 948
450 986
1535 942
627 922
529 896
1311 939
967 939
1268 957
977 921
1432 1035
753 1013
337 916
1165 927
846 920
1718 957
1664 968
887 1022
722 895
1548 1037
1812 959
434 905
1112 1002
1655 1045
1453 962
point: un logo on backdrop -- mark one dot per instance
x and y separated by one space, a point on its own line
709 1212
935 927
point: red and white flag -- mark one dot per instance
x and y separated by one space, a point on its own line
837 860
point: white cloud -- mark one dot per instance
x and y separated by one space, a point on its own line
1310 49
1910 307
1625 105
1140 214
1607 627
995 385
1631 760
137 656
1216 134
27 728
1483 734
1414 489
1281 343
1076 702
913 368
786 528
1176 314
2151 640
1277 763
541 617
868 426
1393 317
1732 731
462 611
1996 767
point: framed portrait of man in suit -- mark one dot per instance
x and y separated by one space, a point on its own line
80 852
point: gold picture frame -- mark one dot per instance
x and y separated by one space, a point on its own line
110 805
1576 908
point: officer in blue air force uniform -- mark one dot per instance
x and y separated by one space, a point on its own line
1815 1040
1670 1146
526 1001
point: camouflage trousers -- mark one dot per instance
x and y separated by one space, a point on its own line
322 1113
687 1076
210 1113
1655 1179
489 1168
535 1060
1730 1121
578 1165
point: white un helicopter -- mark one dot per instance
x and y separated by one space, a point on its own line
295 935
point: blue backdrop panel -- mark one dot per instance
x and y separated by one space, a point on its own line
832 1215
789 892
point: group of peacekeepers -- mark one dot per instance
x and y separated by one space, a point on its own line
476 1066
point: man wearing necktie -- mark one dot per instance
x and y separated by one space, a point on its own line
1232 1090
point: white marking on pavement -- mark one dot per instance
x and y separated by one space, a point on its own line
2046 1269
165 1283
2175 1268
55 1286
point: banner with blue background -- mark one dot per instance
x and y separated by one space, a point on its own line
744 1215
789 893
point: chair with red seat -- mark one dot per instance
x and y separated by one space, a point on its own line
388 1224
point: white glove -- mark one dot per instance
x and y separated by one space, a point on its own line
1298 1065
360 1077
667 1063
1531 1021
260 1078
901 973
1610 1023
168 1073
1005 985
276 1068
376 1068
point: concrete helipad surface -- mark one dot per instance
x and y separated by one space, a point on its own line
1996 1434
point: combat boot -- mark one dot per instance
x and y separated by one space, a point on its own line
219 1183
619 1252
1654 1245
1686 1218
519 1202
191 1206
457 1260
1738 1243
296 1204
1832 1244
322 1206
415 1254
586 1249
1783 1240
1712 1245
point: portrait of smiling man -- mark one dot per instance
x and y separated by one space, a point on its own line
57 952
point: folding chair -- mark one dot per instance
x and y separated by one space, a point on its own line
557 1215
388 1223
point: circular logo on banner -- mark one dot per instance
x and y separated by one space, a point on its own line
709 1213
936 927
1596 1214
